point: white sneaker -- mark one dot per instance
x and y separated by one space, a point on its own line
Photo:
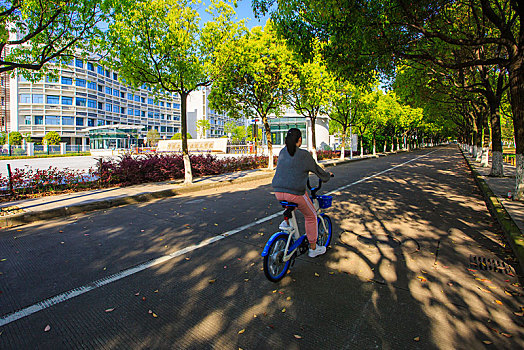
319 250
284 226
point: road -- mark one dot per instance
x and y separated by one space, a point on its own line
185 272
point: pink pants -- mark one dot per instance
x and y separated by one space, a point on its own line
307 209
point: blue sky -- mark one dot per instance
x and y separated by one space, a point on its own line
244 10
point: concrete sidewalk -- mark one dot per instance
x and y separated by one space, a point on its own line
508 212
43 208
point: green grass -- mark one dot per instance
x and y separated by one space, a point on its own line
46 156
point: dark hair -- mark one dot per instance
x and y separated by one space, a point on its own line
292 137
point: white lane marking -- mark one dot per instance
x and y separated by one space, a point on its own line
44 304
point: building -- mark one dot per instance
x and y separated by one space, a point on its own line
198 109
83 95
291 119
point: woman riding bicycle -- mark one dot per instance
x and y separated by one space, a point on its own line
289 183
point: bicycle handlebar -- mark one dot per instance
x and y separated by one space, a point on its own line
315 189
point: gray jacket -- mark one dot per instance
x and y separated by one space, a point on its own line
293 171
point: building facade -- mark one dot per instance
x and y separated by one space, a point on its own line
198 109
84 95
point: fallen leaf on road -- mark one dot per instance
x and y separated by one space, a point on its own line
156 291
422 279
487 342
137 294
507 335
109 310
317 275
508 293
47 328
472 270
143 298
188 258
154 315
416 338
423 271
484 290
284 310
255 315
498 302
216 224
3 260
246 279
275 291
297 336
212 281
241 331
288 298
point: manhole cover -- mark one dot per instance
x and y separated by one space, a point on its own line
379 240
487 264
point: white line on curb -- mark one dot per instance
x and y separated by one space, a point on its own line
44 304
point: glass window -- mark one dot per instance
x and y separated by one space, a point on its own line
169 129
53 99
143 114
162 116
130 111
142 99
100 88
108 90
108 75
39 120
80 82
52 120
100 105
116 92
168 104
90 67
155 103
91 103
122 110
176 105
67 100
115 76
79 120
161 103
27 120
162 129
130 96
168 117
137 98
49 79
108 107
68 121
67 81
38 98
150 114
91 85
101 122
79 63
25 98
150 101
90 122
123 95
157 115
137 113
80 101
100 70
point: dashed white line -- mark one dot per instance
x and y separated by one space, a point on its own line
44 304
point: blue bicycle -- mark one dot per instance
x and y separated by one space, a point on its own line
283 247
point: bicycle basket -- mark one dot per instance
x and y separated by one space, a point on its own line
324 201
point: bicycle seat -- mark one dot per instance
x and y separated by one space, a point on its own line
286 204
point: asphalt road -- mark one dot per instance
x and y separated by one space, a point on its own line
398 274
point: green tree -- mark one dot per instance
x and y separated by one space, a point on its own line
229 127
52 138
51 30
15 138
312 89
202 126
3 138
239 134
152 137
256 78
161 44
27 138
178 136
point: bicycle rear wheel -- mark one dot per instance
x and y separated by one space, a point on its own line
324 234
274 268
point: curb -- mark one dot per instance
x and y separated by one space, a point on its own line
510 228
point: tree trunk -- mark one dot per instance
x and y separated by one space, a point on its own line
361 146
343 145
392 144
496 141
374 145
516 81
188 174
267 128
313 137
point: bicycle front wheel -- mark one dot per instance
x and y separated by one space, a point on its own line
274 267
324 233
